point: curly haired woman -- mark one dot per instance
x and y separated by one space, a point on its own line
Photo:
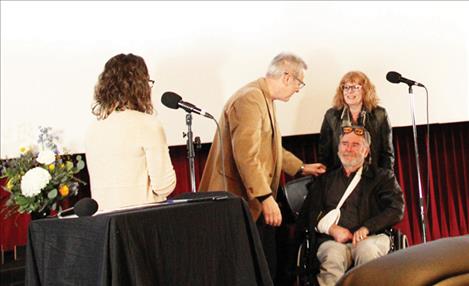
126 150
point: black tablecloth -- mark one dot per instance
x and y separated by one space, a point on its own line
195 243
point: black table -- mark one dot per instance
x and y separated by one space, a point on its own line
192 243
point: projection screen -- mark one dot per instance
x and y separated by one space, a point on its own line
53 52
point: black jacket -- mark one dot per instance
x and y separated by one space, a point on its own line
381 202
377 123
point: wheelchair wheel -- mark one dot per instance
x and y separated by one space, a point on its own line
305 275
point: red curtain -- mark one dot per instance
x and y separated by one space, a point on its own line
445 187
181 166
13 229
448 196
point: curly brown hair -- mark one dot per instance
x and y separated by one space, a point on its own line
123 85
370 99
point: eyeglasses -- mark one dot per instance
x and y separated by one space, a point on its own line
302 84
356 87
151 83
357 130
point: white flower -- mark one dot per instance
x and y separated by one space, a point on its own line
46 157
33 181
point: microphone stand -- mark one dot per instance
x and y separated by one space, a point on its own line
414 128
190 150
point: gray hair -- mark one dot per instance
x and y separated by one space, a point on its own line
366 135
286 62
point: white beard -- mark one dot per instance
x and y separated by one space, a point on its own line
351 161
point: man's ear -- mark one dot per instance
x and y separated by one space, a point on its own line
285 77
367 151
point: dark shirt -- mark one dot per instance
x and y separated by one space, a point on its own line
349 211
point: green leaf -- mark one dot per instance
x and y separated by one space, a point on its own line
69 165
52 194
21 200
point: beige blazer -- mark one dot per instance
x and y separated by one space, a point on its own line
254 156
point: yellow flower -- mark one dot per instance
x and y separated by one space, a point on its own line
51 167
64 190
9 185
24 149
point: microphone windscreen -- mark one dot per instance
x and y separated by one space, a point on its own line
393 77
171 99
85 207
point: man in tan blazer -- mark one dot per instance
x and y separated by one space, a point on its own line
252 145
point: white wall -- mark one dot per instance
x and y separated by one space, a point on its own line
53 52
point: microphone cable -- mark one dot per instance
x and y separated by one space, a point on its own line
427 147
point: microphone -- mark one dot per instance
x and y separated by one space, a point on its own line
173 100
84 207
396 77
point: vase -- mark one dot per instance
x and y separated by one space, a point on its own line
35 215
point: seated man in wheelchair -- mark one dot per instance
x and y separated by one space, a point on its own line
347 210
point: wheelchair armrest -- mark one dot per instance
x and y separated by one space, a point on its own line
398 239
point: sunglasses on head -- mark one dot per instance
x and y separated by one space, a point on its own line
357 130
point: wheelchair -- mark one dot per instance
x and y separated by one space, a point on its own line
295 192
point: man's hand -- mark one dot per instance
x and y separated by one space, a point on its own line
314 169
271 211
340 234
359 235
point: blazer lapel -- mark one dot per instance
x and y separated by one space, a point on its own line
276 138
269 104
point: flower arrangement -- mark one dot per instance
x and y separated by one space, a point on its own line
39 179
